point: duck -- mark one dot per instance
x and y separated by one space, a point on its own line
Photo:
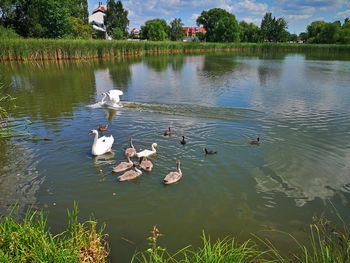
102 128
209 151
175 176
130 175
255 142
131 151
145 164
121 167
146 153
168 132
101 145
183 141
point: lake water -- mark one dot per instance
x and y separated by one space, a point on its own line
297 103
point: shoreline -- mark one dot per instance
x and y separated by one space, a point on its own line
23 50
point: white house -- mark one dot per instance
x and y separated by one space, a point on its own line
97 18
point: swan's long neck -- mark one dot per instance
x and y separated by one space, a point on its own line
103 98
131 145
137 170
153 148
128 158
95 139
178 169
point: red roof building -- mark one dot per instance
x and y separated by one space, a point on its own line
192 31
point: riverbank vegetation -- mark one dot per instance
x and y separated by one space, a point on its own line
46 49
69 19
326 243
31 240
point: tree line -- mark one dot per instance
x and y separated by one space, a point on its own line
69 19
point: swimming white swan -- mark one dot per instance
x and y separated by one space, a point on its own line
146 153
101 145
173 177
111 98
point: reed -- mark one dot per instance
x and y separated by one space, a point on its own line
225 250
67 49
31 240
327 243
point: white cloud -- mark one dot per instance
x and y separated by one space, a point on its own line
343 15
252 6
298 17
194 16
254 20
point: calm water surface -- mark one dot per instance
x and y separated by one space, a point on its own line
298 104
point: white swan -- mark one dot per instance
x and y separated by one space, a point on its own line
175 176
111 98
146 153
101 145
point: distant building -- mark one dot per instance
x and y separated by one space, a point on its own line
97 18
135 33
192 31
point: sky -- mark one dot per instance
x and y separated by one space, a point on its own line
298 13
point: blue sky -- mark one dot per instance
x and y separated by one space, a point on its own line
298 13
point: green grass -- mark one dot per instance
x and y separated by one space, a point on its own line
65 49
31 241
327 244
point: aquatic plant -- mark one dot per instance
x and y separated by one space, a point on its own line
225 250
70 49
31 241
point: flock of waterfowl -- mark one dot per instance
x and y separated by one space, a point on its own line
132 170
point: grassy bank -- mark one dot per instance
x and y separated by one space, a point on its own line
326 244
31 241
45 49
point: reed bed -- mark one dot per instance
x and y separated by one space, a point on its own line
31 241
64 49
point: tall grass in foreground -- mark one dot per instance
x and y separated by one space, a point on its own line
226 250
31 241
68 49
326 245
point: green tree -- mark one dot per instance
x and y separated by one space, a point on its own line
221 25
344 34
79 9
329 33
118 34
7 12
116 17
42 18
303 36
314 30
249 32
79 29
155 29
274 30
176 31
27 22
293 38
